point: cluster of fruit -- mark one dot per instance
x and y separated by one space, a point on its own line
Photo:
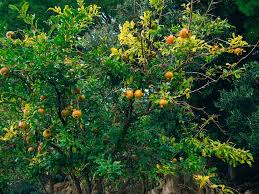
184 33
138 94
75 113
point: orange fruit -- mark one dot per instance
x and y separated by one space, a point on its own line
237 51
46 133
138 94
41 110
65 113
184 33
170 39
129 94
22 125
30 149
163 103
77 90
76 114
81 97
10 35
174 160
4 71
43 97
169 75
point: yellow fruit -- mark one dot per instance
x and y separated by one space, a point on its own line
138 94
170 39
174 160
129 94
22 125
81 97
30 149
46 133
10 35
41 110
4 71
65 113
184 33
169 75
76 114
163 103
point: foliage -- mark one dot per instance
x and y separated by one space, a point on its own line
242 14
240 104
82 111
248 7
205 181
40 8
251 23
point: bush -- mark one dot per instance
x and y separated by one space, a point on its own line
114 118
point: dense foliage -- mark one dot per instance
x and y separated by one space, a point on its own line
111 106
240 13
241 104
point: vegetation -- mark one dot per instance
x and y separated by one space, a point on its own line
114 106
240 104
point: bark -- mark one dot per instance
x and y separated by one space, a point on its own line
76 183
99 186
88 181
42 185
51 186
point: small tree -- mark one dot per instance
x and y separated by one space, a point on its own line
120 120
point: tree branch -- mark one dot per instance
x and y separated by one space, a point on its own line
59 101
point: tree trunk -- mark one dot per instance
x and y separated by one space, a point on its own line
89 184
42 185
51 186
76 183
99 186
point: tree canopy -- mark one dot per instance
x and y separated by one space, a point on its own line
110 100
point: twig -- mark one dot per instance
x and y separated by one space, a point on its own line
210 5
197 73
190 19
204 86
210 117
248 53
143 54
59 101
